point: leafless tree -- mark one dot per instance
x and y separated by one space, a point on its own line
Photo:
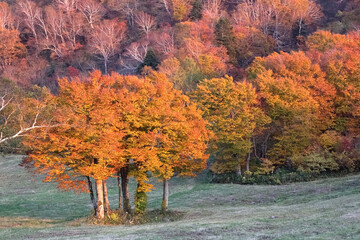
31 12
128 7
212 8
165 42
145 22
92 10
254 13
23 115
55 24
41 23
308 12
134 55
137 51
68 6
74 27
106 38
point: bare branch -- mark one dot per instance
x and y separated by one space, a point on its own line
6 18
145 22
106 39
92 11
4 102
24 131
137 51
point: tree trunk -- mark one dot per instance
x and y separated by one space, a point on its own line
93 201
165 201
125 188
238 169
300 26
248 162
100 199
119 187
105 65
106 199
265 145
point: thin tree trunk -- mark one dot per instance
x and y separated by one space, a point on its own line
255 150
166 7
119 187
265 145
125 188
238 169
165 201
93 201
106 199
300 26
105 65
100 199
248 162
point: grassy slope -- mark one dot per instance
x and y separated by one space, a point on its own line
326 209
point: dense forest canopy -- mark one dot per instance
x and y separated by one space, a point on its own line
244 88
192 39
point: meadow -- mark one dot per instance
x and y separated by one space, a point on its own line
323 209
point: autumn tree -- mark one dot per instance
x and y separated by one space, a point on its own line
232 110
11 47
165 133
83 146
297 98
278 18
198 56
185 75
338 57
6 16
178 9
112 126
181 135
304 13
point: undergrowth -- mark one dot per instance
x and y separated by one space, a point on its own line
154 216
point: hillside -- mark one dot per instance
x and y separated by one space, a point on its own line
325 209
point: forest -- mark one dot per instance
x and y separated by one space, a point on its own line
249 91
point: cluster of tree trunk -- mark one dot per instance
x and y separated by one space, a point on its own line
101 203
100 200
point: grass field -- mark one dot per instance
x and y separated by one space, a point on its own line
325 209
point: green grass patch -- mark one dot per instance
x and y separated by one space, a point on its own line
323 209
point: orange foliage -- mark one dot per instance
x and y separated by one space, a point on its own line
297 98
108 122
339 58
11 48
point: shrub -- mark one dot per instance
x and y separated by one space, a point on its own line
140 202
315 163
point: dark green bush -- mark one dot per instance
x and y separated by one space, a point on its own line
280 176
